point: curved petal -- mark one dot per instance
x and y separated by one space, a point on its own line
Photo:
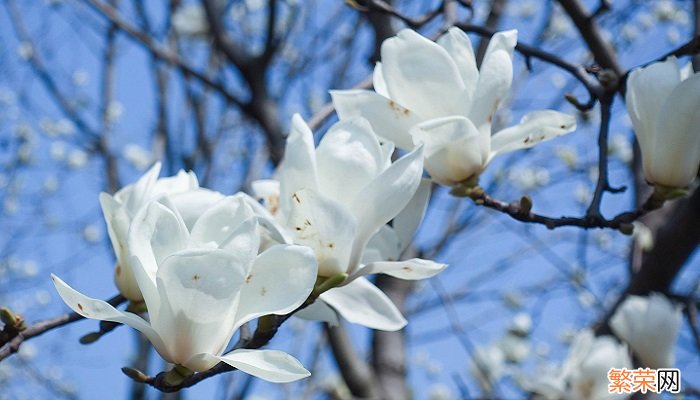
534 127
199 290
495 78
103 311
453 149
270 365
140 191
192 204
281 279
181 182
298 167
407 221
348 157
675 154
389 120
319 311
421 76
378 80
156 232
362 303
383 246
459 47
413 269
324 226
647 91
383 198
216 224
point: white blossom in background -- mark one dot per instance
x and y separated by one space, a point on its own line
25 51
201 284
77 158
137 156
663 105
91 233
58 150
440 391
190 20
650 325
119 210
433 93
584 374
115 109
80 77
621 148
643 236
664 10
487 366
337 199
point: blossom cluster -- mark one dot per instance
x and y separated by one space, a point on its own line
203 264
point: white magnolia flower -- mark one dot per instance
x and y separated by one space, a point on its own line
663 105
584 375
487 366
189 199
335 199
650 326
433 93
201 285
190 20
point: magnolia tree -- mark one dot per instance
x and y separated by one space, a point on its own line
256 186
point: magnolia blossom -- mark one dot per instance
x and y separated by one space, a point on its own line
650 326
433 93
584 375
336 199
119 210
663 101
201 285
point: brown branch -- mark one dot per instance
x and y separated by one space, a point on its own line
355 372
12 344
589 29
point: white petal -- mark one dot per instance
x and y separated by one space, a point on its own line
361 302
407 221
215 225
495 78
326 227
378 80
298 168
180 183
140 191
388 151
650 325
413 269
675 147
389 120
383 198
281 279
156 232
103 311
199 290
383 246
534 127
194 203
348 158
453 149
459 47
270 365
647 91
319 311
421 76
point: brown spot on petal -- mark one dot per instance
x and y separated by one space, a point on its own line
407 268
248 278
119 270
263 291
196 277
296 198
80 306
331 245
